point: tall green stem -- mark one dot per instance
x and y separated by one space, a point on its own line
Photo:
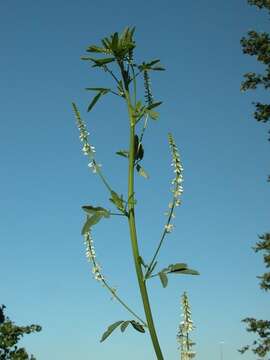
133 237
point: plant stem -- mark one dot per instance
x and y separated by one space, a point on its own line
102 177
149 269
113 291
123 303
133 237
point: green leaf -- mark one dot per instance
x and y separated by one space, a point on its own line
117 200
94 214
124 325
140 152
180 268
138 106
98 62
153 62
163 278
92 104
177 267
106 42
93 220
187 272
115 42
141 171
158 68
155 104
110 329
153 114
138 148
97 49
149 66
96 210
103 90
137 326
123 153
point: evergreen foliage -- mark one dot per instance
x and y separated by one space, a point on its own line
258 44
10 335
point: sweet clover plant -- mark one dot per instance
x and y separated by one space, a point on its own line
115 56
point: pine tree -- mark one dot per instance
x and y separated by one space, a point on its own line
258 44
10 334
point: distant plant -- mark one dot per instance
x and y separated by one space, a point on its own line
185 328
258 44
10 335
120 65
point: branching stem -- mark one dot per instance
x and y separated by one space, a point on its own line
133 236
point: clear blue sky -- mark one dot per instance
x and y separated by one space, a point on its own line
44 275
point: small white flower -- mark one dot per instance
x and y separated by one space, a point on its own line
168 228
94 167
83 135
170 205
86 149
177 202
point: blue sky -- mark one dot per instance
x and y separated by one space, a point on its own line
44 275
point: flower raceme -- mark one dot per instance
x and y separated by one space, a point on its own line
91 256
87 149
177 189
